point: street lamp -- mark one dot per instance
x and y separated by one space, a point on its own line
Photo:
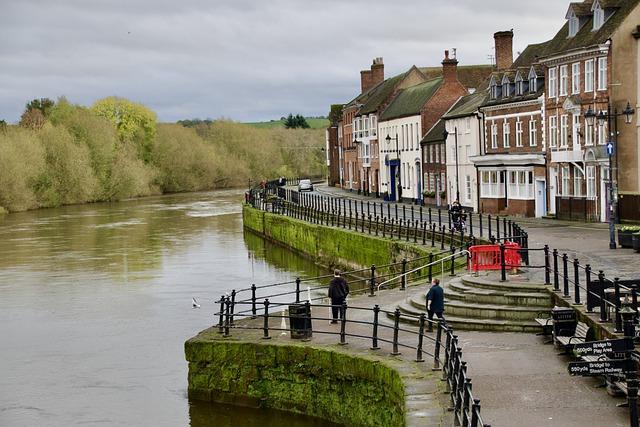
445 134
389 139
608 116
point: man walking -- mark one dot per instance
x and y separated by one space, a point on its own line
435 302
338 291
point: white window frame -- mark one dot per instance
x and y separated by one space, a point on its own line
602 73
574 24
564 80
505 87
565 181
553 131
588 75
494 135
520 184
591 181
598 16
564 131
577 182
532 133
519 133
588 135
553 82
602 134
491 186
575 78
519 85
506 133
575 130
467 187
533 81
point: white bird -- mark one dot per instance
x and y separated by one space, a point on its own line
194 303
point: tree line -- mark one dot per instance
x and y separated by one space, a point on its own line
61 153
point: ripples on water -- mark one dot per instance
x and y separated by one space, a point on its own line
95 305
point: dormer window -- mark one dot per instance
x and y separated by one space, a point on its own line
493 88
533 78
574 24
598 15
519 85
505 87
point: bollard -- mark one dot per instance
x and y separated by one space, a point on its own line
227 305
403 280
374 334
547 262
453 262
233 305
396 327
430 267
565 276
253 301
372 281
576 282
343 323
616 284
297 289
265 328
587 274
420 338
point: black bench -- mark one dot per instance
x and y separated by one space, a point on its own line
578 337
546 322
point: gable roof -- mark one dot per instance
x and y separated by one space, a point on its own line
585 37
471 76
530 55
435 134
467 105
410 101
378 94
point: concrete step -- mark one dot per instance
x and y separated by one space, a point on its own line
456 290
487 282
473 324
483 311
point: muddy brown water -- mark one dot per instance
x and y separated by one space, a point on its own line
95 306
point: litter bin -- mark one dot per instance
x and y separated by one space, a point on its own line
300 321
564 321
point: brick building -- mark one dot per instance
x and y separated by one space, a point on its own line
512 165
434 165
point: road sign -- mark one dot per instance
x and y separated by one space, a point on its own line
597 348
605 367
610 148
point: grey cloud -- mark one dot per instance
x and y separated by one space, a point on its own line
241 59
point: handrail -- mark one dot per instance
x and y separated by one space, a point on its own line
441 261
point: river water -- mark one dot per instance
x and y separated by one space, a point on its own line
95 306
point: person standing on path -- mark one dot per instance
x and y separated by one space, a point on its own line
435 302
338 291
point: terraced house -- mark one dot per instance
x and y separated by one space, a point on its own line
512 166
592 65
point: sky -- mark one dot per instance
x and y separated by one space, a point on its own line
245 60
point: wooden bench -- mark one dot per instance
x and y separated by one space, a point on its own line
579 336
547 325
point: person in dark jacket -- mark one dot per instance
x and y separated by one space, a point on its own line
338 291
435 302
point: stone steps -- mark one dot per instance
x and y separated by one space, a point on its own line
491 283
456 290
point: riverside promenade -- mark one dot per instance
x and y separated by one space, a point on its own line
515 374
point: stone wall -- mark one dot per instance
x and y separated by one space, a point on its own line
329 384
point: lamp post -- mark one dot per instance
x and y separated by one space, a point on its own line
445 134
389 139
608 116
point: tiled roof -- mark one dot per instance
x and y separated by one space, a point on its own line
585 37
435 134
530 55
467 105
410 101
380 93
581 9
471 76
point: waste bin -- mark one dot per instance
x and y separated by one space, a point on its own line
564 321
300 321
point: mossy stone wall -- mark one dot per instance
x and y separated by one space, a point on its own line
321 382
330 246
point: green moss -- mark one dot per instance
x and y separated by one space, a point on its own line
336 386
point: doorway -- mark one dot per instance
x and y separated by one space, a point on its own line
541 198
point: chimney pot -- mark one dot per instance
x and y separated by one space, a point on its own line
504 49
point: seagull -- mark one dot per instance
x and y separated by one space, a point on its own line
194 303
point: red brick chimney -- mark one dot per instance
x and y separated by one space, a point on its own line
449 68
370 78
377 71
504 49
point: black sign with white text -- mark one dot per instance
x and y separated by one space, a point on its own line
605 367
597 348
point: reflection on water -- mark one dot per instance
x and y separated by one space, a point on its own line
95 305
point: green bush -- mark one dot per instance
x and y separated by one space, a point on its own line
630 228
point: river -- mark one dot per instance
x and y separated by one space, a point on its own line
95 306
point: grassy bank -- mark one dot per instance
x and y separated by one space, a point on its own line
79 154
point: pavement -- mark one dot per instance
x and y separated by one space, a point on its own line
519 380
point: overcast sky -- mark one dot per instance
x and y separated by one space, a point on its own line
247 60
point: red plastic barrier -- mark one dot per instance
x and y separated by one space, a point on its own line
487 257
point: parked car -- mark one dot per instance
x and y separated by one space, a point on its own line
305 185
